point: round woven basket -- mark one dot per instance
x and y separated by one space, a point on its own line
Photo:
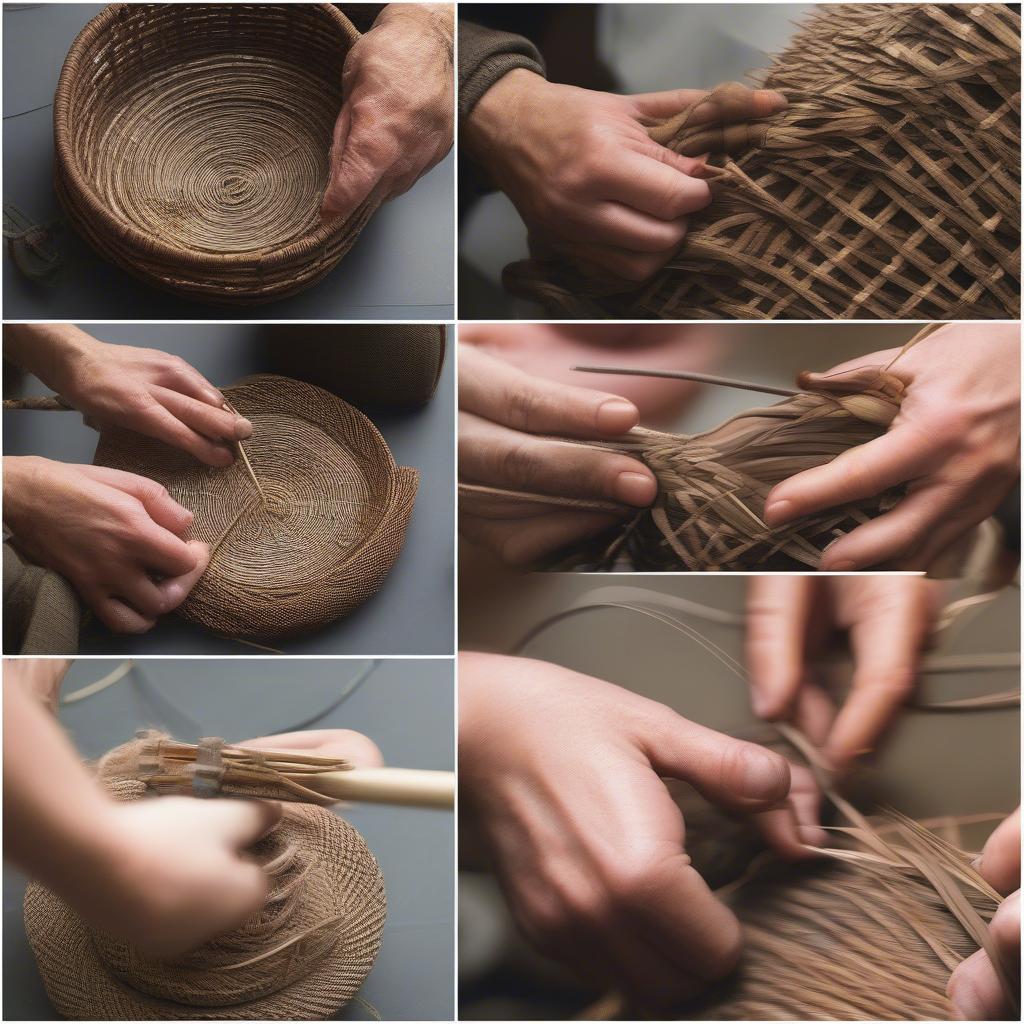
303 527
192 145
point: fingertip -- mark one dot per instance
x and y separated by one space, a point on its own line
760 777
616 416
636 487
778 511
243 428
768 102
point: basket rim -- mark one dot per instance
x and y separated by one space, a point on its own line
67 167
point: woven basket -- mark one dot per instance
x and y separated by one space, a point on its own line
192 145
303 527
302 956
889 188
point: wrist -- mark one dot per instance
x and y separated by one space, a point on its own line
437 18
49 351
22 481
499 115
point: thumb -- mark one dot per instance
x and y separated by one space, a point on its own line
352 175
901 454
241 823
728 772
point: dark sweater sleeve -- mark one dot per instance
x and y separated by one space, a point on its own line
485 55
361 15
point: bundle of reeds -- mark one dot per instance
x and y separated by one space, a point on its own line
212 767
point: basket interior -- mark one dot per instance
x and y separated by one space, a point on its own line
207 126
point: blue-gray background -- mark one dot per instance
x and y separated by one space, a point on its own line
404 705
401 268
413 613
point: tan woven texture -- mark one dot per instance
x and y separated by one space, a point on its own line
302 957
708 514
889 188
192 145
851 940
303 527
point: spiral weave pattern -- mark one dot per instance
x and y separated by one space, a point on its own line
192 144
303 527
302 956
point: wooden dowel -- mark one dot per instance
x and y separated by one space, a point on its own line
46 403
410 787
700 378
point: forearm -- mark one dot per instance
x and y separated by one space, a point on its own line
54 812
47 350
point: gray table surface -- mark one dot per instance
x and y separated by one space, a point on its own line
405 706
401 268
413 613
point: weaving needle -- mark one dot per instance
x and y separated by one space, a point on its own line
700 378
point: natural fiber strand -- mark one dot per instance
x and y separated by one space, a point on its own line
192 145
871 933
889 188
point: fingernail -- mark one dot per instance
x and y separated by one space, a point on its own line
759 704
225 456
635 489
243 428
763 775
776 512
616 416
811 835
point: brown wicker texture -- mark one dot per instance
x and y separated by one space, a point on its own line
302 957
708 514
303 527
889 188
192 145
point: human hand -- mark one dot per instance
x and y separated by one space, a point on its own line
501 410
955 441
397 118
152 393
585 176
40 677
563 773
116 537
789 621
552 350
974 986
172 873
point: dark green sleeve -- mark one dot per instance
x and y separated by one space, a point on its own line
485 55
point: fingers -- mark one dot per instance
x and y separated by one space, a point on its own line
523 542
726 105
891 535
654 187
242 822
778 616
614 224
731 773
216 424
117 616
181 376
492 454
974 986
166 427
1000 859
345 744
493 389
162 508
175 589
886 645
902 454
353 173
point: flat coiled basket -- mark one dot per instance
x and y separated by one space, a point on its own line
192 145
303 527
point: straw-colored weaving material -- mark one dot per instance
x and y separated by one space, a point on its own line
303 527
889 188
192 144
303 956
